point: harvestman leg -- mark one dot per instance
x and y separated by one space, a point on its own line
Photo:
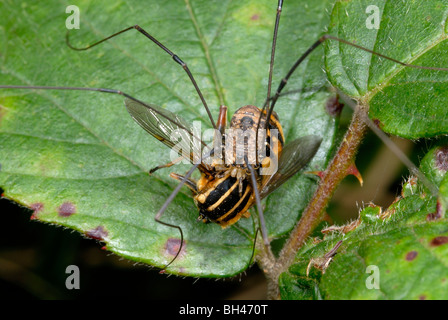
264 232
167 165
160 45
321 40
274 44
173 194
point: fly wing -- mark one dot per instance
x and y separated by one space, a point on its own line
295 155
165 126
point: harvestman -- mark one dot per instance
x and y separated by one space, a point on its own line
158 122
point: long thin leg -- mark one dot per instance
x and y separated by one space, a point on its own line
167 165
166 204
264 232
191 184
183 180
284 81
392 146
255 246
274 45
271 67
321 40
160 45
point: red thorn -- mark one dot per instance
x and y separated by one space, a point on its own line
328 218
354 171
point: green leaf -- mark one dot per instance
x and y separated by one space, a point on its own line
78 159
403 101
405 245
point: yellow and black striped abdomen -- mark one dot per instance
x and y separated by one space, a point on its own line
220 200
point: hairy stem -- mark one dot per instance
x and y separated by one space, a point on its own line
314 213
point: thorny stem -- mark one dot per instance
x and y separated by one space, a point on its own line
314 213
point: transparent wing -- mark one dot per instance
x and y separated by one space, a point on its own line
166 127
295 155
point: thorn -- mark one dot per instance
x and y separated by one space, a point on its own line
327 218
354 171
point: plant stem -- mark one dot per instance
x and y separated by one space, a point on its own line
314 213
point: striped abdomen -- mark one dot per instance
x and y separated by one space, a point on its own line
219 200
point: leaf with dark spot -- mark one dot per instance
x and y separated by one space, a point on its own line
66 209
36 207
173 246
411 255
99 233
438 241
